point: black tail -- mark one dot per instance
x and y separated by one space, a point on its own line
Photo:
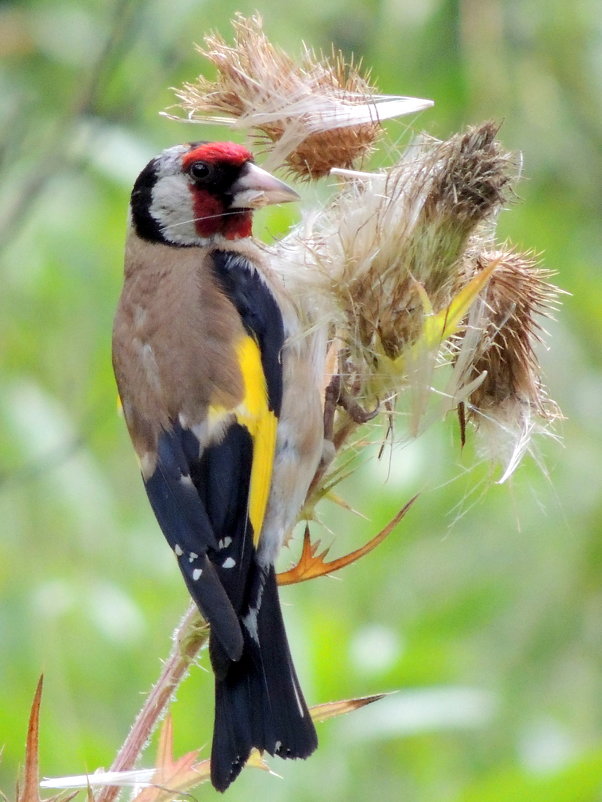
258 701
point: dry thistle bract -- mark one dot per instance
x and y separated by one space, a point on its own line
499 345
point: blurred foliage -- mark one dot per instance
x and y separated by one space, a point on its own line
485 609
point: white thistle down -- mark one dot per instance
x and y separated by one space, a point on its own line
388 269
100 778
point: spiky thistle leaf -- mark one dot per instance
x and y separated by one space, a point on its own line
334 709
313 563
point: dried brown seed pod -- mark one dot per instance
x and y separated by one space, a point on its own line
311 116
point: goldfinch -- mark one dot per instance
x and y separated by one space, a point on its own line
224 414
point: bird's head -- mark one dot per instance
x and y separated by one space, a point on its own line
191 194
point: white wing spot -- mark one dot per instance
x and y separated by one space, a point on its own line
229 562
192 556
186 480
196 574
178 550
227 541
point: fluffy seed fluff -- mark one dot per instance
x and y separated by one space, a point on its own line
389 249
391 268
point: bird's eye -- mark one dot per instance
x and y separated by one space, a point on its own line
199 171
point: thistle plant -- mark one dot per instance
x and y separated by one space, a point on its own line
398 276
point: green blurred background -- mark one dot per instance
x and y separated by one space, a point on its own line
484 611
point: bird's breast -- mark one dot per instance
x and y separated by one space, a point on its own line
174 340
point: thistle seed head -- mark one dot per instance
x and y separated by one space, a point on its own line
311 116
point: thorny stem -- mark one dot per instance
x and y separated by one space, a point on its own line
188 638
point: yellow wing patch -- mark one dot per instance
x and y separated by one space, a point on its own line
254 413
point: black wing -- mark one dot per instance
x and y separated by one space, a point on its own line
200 494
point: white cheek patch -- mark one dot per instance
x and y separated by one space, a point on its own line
171 207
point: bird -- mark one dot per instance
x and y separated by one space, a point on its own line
223 409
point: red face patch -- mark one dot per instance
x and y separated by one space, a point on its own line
216 152
211 218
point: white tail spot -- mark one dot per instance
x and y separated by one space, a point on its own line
250 622
298 698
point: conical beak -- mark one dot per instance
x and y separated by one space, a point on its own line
256 188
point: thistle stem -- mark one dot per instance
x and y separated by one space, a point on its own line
188 638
